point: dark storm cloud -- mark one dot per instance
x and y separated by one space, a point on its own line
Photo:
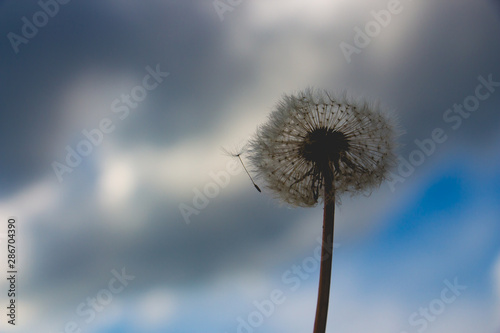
105 36
440 59
433 66
80 245
443 62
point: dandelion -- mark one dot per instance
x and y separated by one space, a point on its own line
314 148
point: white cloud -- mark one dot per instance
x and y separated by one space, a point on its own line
156 308
496 285
315 13
36 199
26 204
117 181
496 276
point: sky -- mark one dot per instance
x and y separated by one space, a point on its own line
129 217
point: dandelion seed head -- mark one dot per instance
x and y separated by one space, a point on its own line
312 133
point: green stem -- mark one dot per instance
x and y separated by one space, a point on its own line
326 255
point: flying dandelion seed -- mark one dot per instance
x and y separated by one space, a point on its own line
237 154
315 147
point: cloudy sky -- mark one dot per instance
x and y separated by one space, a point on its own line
118 238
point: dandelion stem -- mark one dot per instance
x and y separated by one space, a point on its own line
326 254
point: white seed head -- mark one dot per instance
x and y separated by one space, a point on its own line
311 133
